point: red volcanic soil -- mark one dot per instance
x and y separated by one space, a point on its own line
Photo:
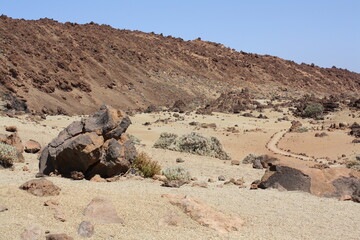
73 68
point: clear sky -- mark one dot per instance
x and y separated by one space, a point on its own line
324 32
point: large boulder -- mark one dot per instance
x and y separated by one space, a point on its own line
282 177
346 186
95 145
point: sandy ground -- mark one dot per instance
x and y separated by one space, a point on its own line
268 214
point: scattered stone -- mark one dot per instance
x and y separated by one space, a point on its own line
11 128
323 134
32 146
235 162
282 177
171 218
3 208
320 166
25 168
32 232
257 164
97 178
255 185
221 178
41 187
161 178
345 198
61 236
180 160
206 215
238 182
96 145
51 202
75 175
174 183
86 229
102 210
211 180
200 184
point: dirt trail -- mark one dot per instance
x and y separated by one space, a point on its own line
272 146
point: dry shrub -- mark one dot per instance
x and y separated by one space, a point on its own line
146 165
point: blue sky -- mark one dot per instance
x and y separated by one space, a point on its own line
324 32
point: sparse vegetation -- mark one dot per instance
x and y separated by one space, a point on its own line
193 143
354 163
146 165
134 139
177 173
313 110
8 155
302 129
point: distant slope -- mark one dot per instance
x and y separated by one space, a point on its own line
75 68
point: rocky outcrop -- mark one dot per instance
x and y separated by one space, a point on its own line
282 177
347 186
96 145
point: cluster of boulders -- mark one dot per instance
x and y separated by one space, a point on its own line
96 145
12 147
231 102
355 130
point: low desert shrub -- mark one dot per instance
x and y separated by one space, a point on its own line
134 139
8 155
193 143
313 110
146 165
177 173
354 163
165 140
302 129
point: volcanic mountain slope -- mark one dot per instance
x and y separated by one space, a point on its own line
72 68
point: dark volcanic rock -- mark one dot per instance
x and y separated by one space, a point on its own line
347 186
95 145
288 178
355 130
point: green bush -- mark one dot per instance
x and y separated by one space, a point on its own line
146 165
165 140
177 173
313 110
8 155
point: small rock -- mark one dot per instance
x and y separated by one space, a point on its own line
61 236
171 218
211 180
3 208
200 184
32 232
86 229
77 175
41 187
161 178
194 179
180 160
345 198
51 202
102 210
39 175
257 164
221 178
235 162
11 128
59 214
32 146
25 168
97 178
174 183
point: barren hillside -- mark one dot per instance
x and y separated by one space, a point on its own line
73 68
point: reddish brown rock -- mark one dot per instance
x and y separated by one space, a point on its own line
11 128
32 146
101 210
97 178
205 215
32 232
171 218
41 187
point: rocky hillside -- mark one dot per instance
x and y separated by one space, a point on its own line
71 68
